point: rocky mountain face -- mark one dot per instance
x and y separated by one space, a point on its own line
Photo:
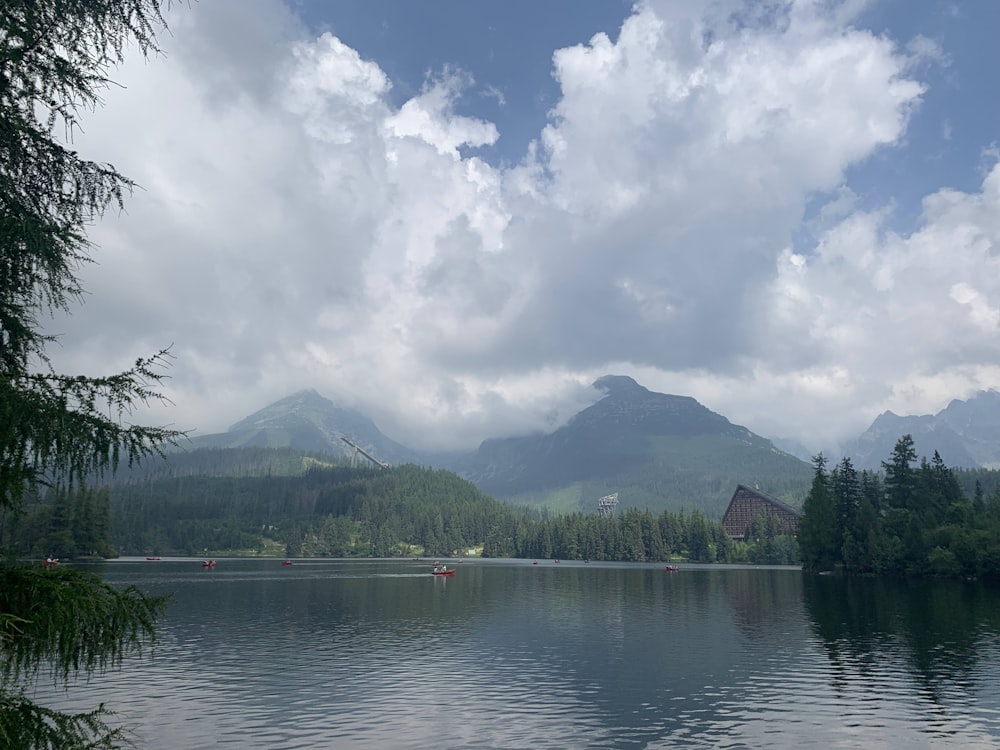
966 434
601 439
667 450
309 422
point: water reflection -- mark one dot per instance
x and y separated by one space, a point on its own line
356 654
932 642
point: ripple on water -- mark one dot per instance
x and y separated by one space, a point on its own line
516 657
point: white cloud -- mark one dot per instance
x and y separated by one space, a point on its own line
430 117
296 229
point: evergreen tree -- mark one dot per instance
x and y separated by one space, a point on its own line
846 487
900 478
860 549
978 501
698 538
58 429
818 544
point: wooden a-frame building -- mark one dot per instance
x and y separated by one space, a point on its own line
747 504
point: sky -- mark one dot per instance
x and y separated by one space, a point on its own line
454 216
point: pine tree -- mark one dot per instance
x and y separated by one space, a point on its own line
59 429
818 544
900 477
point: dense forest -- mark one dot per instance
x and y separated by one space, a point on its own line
912 518
340 511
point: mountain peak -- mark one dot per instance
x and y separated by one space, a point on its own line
300 403
307 420
615 384
966 434
305 396
631 438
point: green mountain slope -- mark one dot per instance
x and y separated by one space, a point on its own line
338 511
659 451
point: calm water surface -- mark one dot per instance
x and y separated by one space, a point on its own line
380 654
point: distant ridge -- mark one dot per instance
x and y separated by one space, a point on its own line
307 421
966 434
660 451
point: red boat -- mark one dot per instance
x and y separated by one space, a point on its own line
671 568
286 562
152 558
208 564
442 572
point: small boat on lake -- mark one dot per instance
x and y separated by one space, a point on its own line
441 570
208 563
152 558
671 568
286 562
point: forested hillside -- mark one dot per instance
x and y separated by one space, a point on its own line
227 462
660 451
340 511
334 510
676 474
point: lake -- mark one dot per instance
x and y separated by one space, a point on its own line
506 654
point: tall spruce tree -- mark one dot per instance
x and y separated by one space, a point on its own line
818 543
58 429
900 476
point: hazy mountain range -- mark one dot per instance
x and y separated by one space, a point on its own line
657 450
965 433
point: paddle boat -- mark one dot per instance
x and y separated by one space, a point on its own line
671 568
286 562
208 563
441 570
152 558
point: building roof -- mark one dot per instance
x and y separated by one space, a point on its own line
771 499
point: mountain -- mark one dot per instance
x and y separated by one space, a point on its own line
308 422
658 451
977 422
966 434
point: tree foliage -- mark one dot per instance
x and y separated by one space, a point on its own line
340 511
916 519
68 621
56 430
55 58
